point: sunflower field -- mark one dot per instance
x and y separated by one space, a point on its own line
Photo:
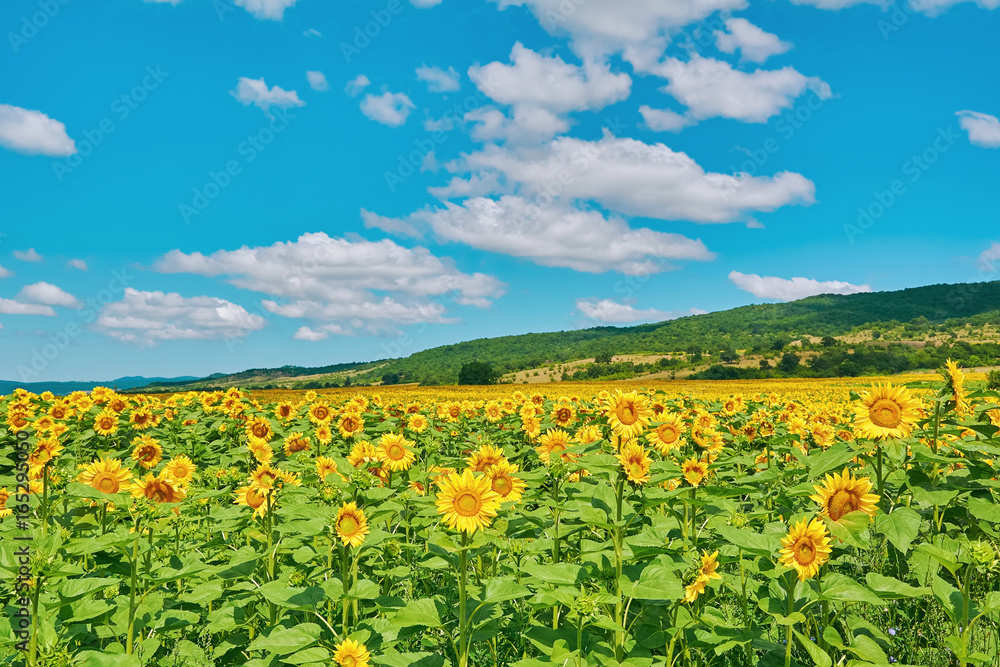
825 524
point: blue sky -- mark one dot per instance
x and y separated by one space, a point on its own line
198 186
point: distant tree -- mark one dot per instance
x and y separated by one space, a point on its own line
390 378
603 358
779 344
993 380
694 353
789 363
765 365
347 381
477 372
729 356
828 341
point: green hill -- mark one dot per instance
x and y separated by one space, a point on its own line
961 321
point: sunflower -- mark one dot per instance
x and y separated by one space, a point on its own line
467 502
284 411
485 458
956 382
147 452
886 412
350 653
252 497
394 452
106 475
161 488
106 422
709 565
554 441
635 461
503 481
361 453
563 414
181 468
668 435
4 497
695 588
695 471
417 423
324 435
588 434
261 451
842 494
629 413
320 412
296 442
350 424
325 466
142 418
259 431
264 476
806 548
352 526
46 450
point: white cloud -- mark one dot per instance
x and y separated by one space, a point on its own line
47 294
989 260
321 332
390 109
256 92
273 10
663 120
612 312
33 133
754 44
710 87
424 4
639 28
526 125
12 307
556 235
317 81
630 177
356 85
28 255
5 273
429 163
983 129
149 317
550 83
769 287
312 32
77 264
335 279
439 80
929 7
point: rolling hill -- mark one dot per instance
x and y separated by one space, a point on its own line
937 313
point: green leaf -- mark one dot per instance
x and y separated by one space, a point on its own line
867 649
565 574
849 528
833 457
889 588
655 583
365 590
316 654
841 588
818 655
74 588
748 540
900 527
288 640
984 510
499 590
281 594
393 659
422 612
95 659
950 598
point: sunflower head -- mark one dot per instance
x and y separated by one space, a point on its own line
394 452
467 502
886 412
106 476
350 653
842 494
806 548
504 482
351 526
635 462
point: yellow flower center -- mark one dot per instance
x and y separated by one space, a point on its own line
395 452
804 551
106 482
668 433
627 414
636 470
468 504
348 661
841 503
348 525
503 485
261 430
886 413
254 499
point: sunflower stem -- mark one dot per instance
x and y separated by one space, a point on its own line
463 657
789 605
